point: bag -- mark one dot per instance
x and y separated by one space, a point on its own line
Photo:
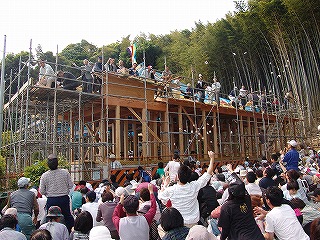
145 176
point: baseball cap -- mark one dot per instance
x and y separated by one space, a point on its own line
23 181
293 143
54 211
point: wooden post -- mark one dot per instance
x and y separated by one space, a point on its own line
256 137
215 134
125 139
145 145
250 136
165 128
243 153
204 133
180 123
117 132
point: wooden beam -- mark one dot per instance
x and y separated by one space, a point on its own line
180 124
118 130
215 134
140 120
204 130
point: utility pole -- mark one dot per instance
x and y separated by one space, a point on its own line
2 86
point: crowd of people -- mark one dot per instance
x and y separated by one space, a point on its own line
203 91
262 199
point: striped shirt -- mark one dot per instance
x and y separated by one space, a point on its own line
55 183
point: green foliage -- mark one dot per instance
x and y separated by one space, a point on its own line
39 167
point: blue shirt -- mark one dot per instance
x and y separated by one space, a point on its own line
292 159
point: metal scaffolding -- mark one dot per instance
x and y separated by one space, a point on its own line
129 119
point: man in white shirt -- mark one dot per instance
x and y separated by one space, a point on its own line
183 195
281 220
46 75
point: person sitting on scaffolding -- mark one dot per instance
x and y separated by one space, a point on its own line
133 70
67 80
216 90
47 77
209 94
243 97
189 92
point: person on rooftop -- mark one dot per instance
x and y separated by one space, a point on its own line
87 78
67 80
47 76
133 70
200 88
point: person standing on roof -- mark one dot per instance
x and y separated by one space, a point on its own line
200 88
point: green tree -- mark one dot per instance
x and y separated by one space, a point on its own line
39 167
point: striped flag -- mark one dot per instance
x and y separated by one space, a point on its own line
132 51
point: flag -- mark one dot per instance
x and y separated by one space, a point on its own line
132 51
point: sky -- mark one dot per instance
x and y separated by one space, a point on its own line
53 23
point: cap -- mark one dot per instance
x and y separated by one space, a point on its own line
200 75
119 191
23 181
12 211
54 211
112 155
100 233
199 232
293 143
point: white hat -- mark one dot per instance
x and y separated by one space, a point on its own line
99 233
23 181
200 75
112 155
35 191
243 173
293 143
199 232
119 191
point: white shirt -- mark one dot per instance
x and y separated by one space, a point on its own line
172 167
134 227
184 198
92 208
253 189
46 71
283 222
